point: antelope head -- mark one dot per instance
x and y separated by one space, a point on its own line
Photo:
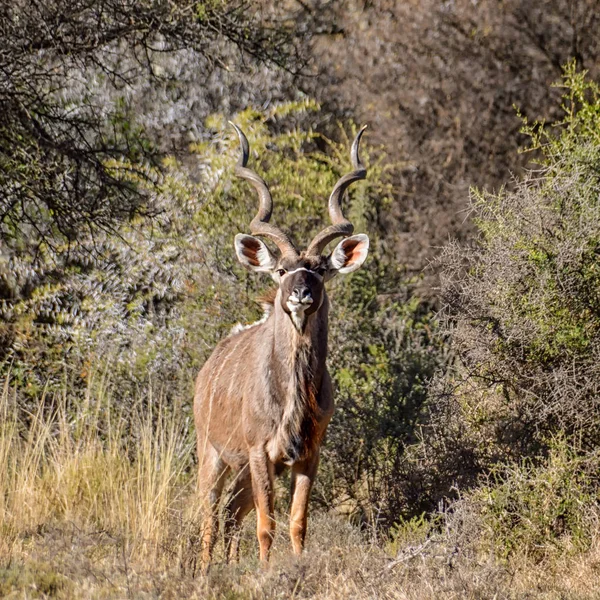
301 276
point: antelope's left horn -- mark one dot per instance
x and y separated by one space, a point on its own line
340 227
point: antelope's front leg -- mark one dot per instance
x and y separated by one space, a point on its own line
262 471
303 476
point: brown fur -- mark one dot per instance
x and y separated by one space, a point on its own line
263 400
310 425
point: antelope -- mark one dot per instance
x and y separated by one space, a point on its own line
264 398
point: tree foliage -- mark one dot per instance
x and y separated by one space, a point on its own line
437 81
72 147
523 303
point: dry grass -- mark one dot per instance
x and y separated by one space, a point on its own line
100 504
95 468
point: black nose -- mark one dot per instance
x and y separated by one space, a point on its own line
301 292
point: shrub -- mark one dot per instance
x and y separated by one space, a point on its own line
538 510
521 316
157 296
525 312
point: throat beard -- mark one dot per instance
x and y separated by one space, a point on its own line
297 313
299 320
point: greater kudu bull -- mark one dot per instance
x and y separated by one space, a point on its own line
264 398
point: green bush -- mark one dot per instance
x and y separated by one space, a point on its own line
522 317
525 313
540 509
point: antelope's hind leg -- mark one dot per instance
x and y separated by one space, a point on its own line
239 504
212 472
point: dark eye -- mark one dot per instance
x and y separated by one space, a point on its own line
321 270
281 272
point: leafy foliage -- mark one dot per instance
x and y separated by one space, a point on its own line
523 303
73 148
383 357
540 509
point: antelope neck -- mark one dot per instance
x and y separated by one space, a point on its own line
296 367
291 346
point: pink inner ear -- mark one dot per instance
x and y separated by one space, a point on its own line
250 251
351 252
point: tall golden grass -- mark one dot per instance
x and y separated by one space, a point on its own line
99 467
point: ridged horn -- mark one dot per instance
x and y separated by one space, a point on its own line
340 227
260 224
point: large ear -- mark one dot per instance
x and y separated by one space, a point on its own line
350 253
252 253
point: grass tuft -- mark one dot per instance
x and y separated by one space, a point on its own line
100 503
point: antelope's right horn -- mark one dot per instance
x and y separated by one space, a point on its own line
260 224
